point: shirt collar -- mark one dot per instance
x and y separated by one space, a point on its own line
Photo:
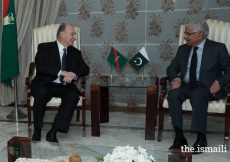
201 45
60 47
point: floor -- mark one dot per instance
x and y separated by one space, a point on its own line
124 128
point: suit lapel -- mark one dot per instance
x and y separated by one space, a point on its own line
56 54
205 55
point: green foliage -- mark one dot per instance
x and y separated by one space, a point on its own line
100 159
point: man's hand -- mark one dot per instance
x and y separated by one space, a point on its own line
215 87
67 79
68 74
176 83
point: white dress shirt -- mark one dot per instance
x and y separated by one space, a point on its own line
199 58
61 52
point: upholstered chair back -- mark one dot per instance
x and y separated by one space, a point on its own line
219 31
48 34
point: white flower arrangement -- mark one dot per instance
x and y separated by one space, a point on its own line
31 160
127 154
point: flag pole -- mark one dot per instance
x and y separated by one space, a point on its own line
16 113
111 76
143 77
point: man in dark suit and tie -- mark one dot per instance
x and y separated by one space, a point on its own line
58 64
200 72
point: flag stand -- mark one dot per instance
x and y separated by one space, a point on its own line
111 76
16 113
143 77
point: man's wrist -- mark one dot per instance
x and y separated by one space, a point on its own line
174 80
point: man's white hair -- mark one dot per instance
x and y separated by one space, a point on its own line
199 25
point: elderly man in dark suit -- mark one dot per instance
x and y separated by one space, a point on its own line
199 72
58 64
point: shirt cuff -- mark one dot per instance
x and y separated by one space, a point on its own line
174 80
59 73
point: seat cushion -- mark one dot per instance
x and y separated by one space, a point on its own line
217 106
55 101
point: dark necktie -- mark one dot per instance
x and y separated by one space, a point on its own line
192 73
63 64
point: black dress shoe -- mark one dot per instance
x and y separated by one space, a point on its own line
179 142
51 137
36 136
199 146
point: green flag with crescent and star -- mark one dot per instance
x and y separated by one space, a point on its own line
139 60
117 59
9 55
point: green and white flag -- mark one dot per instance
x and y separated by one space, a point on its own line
9 56
139 60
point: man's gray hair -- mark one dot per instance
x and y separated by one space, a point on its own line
61 29
199 25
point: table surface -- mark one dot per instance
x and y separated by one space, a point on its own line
131 82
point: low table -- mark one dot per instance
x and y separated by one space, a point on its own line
48 150
100 101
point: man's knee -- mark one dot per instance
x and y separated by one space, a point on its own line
197 96
173 94
73 96
41 92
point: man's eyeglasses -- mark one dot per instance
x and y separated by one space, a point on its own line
188 34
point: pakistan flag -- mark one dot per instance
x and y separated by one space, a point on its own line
139 60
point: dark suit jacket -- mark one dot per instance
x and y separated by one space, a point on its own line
215 65
48 64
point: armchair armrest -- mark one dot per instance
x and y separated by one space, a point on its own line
31 71
228 87
82 80
163 83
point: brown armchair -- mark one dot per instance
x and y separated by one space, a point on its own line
218 31
48 34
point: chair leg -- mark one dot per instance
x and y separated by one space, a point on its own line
161 120
78 116
29 120
227 126
83 121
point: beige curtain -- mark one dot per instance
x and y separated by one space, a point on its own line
30 14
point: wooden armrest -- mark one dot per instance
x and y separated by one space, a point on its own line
164 80
28 81
31 71
228 87
83 80
163 83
